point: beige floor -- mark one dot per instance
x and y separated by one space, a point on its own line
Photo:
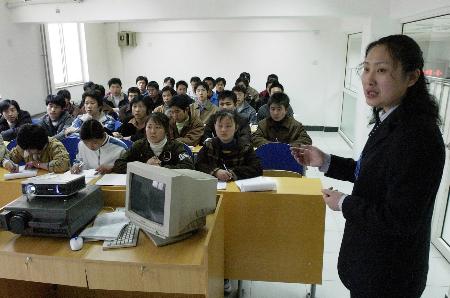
438 276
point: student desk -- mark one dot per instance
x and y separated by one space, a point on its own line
191 268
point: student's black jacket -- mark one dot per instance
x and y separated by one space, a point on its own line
141 151
240 159
243 133
8 133
384 251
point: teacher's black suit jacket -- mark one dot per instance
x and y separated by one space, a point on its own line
384 251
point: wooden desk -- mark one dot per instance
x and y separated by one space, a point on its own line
191 268
269 236
275 236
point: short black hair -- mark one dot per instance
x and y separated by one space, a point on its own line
93 93
134 90
276 84
195 79
55 99
116 81
181 101
171 80
210 79
219 115
168 88
245 75
142 78
32 136
161 119
64 93
144 99
227 94
242 80
92 129
270 81
204 84
220 79
88 85
6 103
153 84
239 88
272 76
181 83
280 99
100 89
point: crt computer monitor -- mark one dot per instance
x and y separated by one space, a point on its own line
168 202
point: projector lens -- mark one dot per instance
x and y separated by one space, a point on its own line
30 189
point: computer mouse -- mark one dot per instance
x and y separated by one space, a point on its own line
76 243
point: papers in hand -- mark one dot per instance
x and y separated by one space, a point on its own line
23 173
113 179
107 226
256 184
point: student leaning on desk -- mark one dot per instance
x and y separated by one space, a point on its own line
38 151
386 242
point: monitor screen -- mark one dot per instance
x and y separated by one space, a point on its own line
147 198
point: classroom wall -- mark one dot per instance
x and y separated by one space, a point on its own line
408 10
306 53
22 75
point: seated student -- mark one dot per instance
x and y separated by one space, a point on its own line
70 106
97 150
181 87
243 108
38 151
202 107
263 111
12 119
154 97
212 96
125 113
220 85
184 127
265 92
156 149
116 98
93 104
141 83
167 94
280 127
56 120
264 98
169 81
227 101
252 94
225 157
134 129
194 82
3 150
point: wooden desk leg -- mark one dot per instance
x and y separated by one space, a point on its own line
239 290
312 293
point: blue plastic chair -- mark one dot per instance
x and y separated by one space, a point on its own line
128 143
71 144
36 121
11 145
117 125
277 156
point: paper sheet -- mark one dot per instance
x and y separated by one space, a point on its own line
113 179
256 184
221 185
21 174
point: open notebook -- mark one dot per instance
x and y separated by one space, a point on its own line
23 173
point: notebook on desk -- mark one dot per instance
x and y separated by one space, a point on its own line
22 173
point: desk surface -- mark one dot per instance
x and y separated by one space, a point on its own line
192 266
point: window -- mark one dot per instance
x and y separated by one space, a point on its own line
66 53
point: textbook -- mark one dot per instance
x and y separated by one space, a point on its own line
256 184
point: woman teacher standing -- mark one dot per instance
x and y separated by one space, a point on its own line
386 242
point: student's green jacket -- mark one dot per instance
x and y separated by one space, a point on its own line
173 156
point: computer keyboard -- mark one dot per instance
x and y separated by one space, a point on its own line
128 237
